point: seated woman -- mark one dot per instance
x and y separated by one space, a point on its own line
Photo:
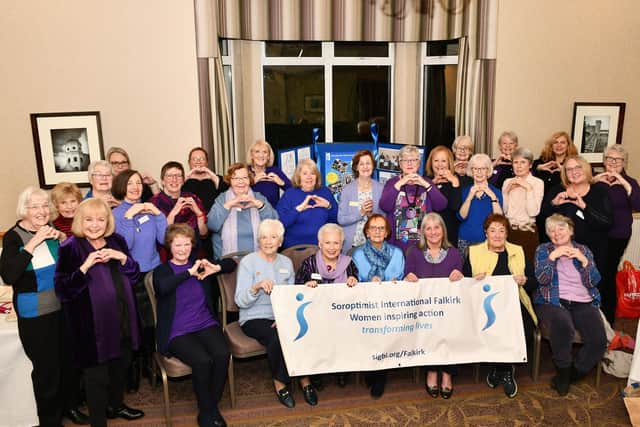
567 301
258 273
187 327
119 160
94 280
268 180
358 200
493 257
378 261
236 214
101 179
65 197
435 257
306 206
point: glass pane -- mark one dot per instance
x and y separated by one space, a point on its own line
293 104
293 49
439 105
361 97
224 47
443 48
361 50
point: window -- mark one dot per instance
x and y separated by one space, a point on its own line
227 69
337 87
439 83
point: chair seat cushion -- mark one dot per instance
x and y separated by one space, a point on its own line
240 344
174 366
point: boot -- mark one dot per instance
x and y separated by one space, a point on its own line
561 381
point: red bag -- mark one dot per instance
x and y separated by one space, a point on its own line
628 291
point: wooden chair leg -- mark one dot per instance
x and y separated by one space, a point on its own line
535 369
232 384
165 391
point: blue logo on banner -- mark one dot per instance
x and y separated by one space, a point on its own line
488 309
304 326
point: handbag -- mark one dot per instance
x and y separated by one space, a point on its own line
628 291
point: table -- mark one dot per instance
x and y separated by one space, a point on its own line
17 402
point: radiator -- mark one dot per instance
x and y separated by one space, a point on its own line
633 250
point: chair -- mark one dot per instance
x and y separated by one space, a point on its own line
240 345
298 253
542 332
170 367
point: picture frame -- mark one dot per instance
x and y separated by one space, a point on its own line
65 144
314 104
597 125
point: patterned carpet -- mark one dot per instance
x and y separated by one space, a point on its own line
404 403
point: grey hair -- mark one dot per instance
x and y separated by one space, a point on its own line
434 216
24 198
408 149
461 141
97 163
509 134
271 225
557 220
483 160
525 153
618 148
330 227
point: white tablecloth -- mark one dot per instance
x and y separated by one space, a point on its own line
17 403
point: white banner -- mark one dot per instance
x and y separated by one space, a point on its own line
334 328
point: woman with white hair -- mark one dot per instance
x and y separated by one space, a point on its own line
258 273
462 149
479 200
101 180
29 255
502 166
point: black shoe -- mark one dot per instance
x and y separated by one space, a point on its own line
509 383
377 389
342 380
219 422
310 395
285 397
77 417
562 381
124 412
433 391
493 379
446 393
316 381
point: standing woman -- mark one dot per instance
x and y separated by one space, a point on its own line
94 280
462 148
101 179
201 180
359 200
522 197
28 260
187 327
119 160
143 227
435 257
267 179
65 197
502 167
407 198
236 214
306 206
479 201
624 195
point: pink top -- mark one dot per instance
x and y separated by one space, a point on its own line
571 287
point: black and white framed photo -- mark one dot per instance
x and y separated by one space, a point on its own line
597 125
65 144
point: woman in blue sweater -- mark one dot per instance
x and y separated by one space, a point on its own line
306 207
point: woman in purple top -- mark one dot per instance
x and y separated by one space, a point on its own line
435 257
624 194
407 198
502 166
187 327
94 280
267 179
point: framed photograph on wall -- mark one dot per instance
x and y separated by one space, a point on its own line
597 125
65 144
314 103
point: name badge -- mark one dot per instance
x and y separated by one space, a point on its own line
316 276
579 214
283 271
143 219
354 203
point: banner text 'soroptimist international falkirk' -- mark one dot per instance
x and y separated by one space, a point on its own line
372 326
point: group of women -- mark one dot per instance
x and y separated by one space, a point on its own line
78 275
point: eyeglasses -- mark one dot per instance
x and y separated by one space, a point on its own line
101 175
410 160
240 178
574 169
198 159
38 207
614 159
173 176
462 149
377 228
119 164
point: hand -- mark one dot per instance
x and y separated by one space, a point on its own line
577 254
352 281
265 285
478 190
134 210
366 208
460 166
480 276
306 204
376 279
575 198
411 277
148 179
520 279
455 276
551 166
108 254
92 259
111 202
206 269
320 202
311 284
273 177
44 233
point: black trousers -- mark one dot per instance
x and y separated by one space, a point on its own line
104 385
207 353
265 334
56 384
607 286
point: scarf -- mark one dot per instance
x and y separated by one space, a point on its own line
378 258
339 274
229 233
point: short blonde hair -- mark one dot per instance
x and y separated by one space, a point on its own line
618 148
480 160
462 141
586 167
24 199
314 168
98 163
409 150
509 134
92 205
61 191
258 143
557 220
118 150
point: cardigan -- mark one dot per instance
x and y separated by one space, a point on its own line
165 283
349 209
394 270
90 300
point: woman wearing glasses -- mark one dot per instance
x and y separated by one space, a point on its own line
624 194
587 204
119 160
236 214
407 198
462 149
101 179
479 200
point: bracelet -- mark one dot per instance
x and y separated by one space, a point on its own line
494 200
261 207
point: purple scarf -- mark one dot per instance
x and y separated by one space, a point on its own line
339 274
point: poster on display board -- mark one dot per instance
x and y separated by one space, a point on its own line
289 158
334 162
388 160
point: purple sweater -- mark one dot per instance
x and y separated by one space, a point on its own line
271 190
416 263
623 207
